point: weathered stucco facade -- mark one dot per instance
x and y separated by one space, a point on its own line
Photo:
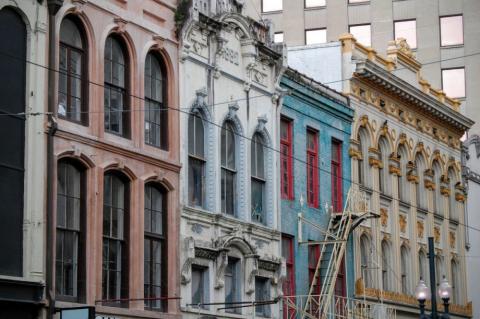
405 152
230 244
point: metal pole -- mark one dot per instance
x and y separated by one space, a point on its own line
433 285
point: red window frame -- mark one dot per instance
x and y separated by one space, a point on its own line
337 191
289 284
313 255
312 169
286 171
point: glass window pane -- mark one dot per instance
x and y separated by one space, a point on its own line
196 182
278 37
314 3
258 189
362 33
315 36
69 34
272 5
453 82
451 30
408 31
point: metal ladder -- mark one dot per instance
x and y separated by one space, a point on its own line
332 250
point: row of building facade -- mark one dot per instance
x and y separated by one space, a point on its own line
156 155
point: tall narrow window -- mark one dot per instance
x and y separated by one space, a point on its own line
312 168
337 193
69 238
155 247
403 184
452 203
232 282
262 293
383 174
115 236
196 160
386 266
229 172
365 260
455 283
13 36
422 266
289 283
313 256
199 286
420 187
437 195
156 112
286 153
439 271
258 179
404 256
115 88
363 166
71 78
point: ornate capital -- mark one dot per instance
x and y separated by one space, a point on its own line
445 191
355 153
383 217
402 221
459 197
413 178
429 184
394 170
375 162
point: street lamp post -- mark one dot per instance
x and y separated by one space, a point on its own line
423 293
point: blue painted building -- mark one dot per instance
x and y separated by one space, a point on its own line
315 169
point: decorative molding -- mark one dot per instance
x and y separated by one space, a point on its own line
186 271
392 169
384 217
413 178
445 191
375 162
353 153
460 197
420 229
402 221
221 263
205 253
452 239
429 184
436 234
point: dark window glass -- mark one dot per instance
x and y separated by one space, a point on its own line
155 247
365 253
115 231
70 205
13 36
262 293
228 178
232 282
115 88
71 73
258 179
404 269
289 283
156 112
196 160
199 286
386 266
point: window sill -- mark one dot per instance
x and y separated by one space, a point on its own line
272 12
358 3
453 46
315 8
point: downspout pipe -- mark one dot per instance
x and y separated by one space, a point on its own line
53 7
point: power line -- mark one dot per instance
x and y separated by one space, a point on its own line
233 131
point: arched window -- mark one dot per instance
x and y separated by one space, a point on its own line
439 269
403 184
155 265
455 282
404 269
422 266
70 251
228 168
258 179
363 166
13 45
196 160
115 237
156 109
452 203
386 266
365 261
72 103
420 187
383 174
437 196
116 88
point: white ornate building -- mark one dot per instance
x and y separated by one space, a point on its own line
230 242
405 152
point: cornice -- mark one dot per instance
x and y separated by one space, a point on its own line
368 70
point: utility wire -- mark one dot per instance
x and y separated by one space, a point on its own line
240 135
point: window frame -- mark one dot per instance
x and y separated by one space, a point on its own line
464 80
124 243
84 69
278 33
264 310
287 159
236 283
163 139
203 287
196 158
440 31
312 155
361 25
337 176
125 131
315 29
395 31
162 240
255 178
226 170
81 233
312 261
